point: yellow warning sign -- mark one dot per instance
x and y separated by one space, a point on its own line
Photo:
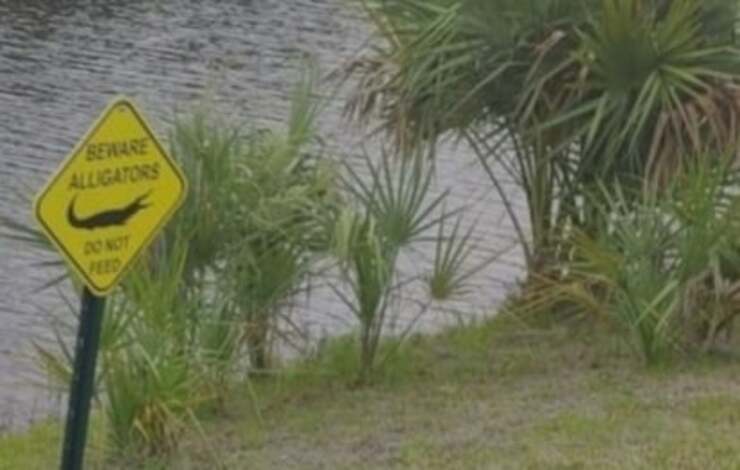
110 197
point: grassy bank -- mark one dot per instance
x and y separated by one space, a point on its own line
490 396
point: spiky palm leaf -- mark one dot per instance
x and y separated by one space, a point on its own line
580 90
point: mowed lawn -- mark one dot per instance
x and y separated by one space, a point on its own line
499 395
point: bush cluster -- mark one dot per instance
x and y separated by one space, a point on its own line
616 118
268 217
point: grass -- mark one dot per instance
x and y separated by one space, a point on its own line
494 395
40 446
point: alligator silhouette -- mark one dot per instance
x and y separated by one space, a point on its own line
107 218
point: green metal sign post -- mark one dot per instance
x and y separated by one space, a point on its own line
83 380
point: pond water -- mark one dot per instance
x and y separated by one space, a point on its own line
61 62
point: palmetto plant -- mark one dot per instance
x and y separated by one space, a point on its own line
255 215
153 375
368 264
662 268
647 84
391 208
210 289
560 93
206 151
283 193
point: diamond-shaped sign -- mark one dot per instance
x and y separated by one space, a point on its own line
110 197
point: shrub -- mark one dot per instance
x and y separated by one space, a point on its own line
255 216
211 289
662 267
153 376
390 210
557 95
